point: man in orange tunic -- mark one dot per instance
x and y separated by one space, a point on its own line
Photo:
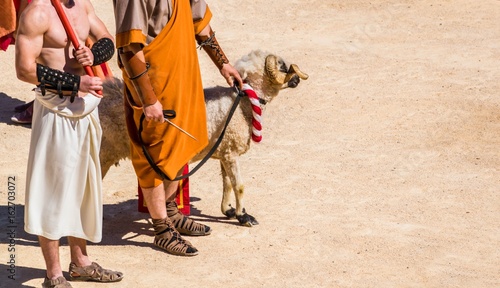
158 57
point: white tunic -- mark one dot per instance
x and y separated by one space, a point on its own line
63 188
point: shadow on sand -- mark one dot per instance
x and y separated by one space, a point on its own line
7 105
122 223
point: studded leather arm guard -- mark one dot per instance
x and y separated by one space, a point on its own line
213 49
103 50
57 80
137 72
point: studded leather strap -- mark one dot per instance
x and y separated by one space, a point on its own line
103 50
57 80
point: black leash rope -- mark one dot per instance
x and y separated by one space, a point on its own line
170 114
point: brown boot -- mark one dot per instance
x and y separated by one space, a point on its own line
170 240
184 224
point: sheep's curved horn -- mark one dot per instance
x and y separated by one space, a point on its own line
295 69
272 70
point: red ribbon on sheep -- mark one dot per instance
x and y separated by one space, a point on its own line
256 113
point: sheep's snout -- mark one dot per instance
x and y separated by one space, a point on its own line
294 81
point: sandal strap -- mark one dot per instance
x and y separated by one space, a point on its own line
184 224
167 238
93 272
59 282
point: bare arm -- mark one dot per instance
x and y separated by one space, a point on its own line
34 26
29 43
97 28
97 31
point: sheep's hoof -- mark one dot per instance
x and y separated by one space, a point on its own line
247 219
231 213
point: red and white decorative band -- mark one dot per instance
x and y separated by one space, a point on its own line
256 112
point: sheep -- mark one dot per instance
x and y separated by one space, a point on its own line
115 145
266 73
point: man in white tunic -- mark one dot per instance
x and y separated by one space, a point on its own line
63 189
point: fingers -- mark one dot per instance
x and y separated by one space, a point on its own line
91 85
234 77
155 118
229 78
240 81
154 112
84 56
237 77
231 75
95 84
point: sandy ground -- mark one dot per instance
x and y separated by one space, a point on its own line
381 170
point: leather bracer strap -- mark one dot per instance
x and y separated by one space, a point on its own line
103 50
137 72
213 49
57 80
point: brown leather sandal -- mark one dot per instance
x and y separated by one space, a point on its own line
184 224
93 272
59 282
168 239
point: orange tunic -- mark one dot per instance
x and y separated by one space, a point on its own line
176 80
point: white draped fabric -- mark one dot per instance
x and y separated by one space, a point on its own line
63 188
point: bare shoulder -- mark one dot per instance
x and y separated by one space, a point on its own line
38 10
89 8
36 16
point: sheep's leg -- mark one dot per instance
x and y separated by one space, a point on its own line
225 204
232 169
